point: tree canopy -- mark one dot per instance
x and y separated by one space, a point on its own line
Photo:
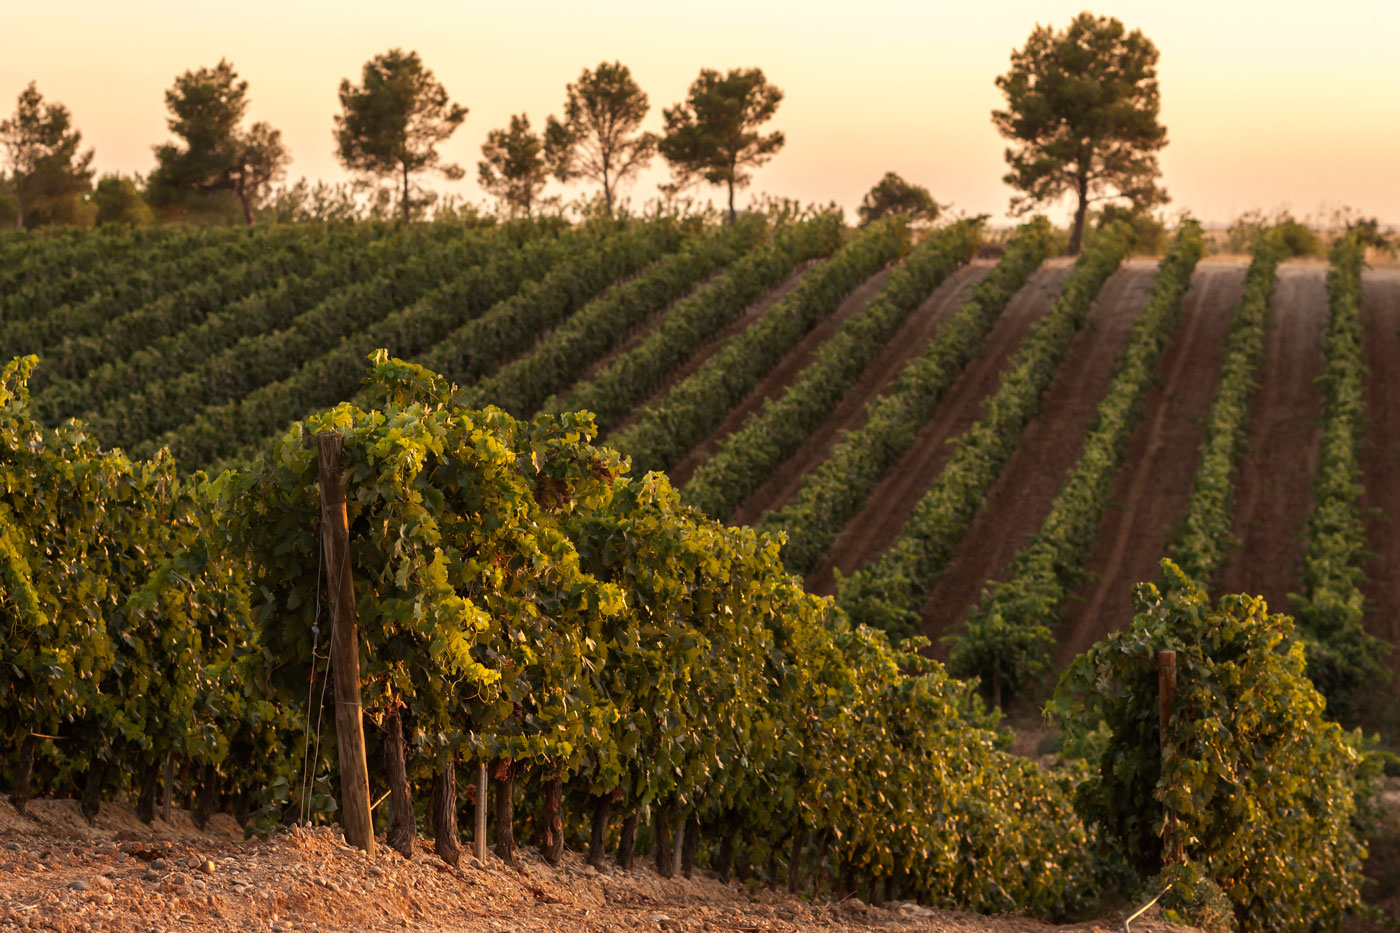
206 109
119 201
893 195
46 172
1082 108
598 137
394 120
713 135
513 169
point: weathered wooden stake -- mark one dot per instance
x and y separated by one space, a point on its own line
479 837
1166 699
345 649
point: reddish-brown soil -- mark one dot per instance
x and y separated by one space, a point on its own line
1272 493
1020 498
702 353
59 873
1380 466
1154 482
911 338
778 378
893 498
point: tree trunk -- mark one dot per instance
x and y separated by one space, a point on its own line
146 801
167 787
208 796
846 884
725 861
242 807
402 826
444 806
732 215
597 842
743 867
771 869
692 839
505 825
24 772
406 214
92 790
799 840
996 686
665 864
245 197
627 844
1076 236
554 821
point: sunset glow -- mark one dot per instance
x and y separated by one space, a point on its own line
1266 105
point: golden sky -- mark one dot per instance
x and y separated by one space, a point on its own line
1266 104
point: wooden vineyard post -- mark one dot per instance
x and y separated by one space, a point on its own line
345 649
1166 699
479 836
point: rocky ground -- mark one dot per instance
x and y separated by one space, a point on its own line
60 873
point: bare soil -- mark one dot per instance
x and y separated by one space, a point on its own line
702 353
910 339
1380 466
772 385
1050 446
892 500
1159 466
59 873
1272 494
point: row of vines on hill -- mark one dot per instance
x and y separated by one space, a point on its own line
41 274
178 341
522 602
1006 636
833 492
220 405
671 425
629 378
70 336
769 436
1203 538
1330 610
889 591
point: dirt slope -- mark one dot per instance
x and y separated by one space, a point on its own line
1272 497
59 873
1050 446
893 498
910 339
1380 465
1155 479
787 369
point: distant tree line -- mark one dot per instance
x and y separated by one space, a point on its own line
387 134
1081 112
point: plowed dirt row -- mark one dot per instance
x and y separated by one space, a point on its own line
1380 466
703 352
1155 480
1271 490
787 369
1021 496
893 498
911 338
